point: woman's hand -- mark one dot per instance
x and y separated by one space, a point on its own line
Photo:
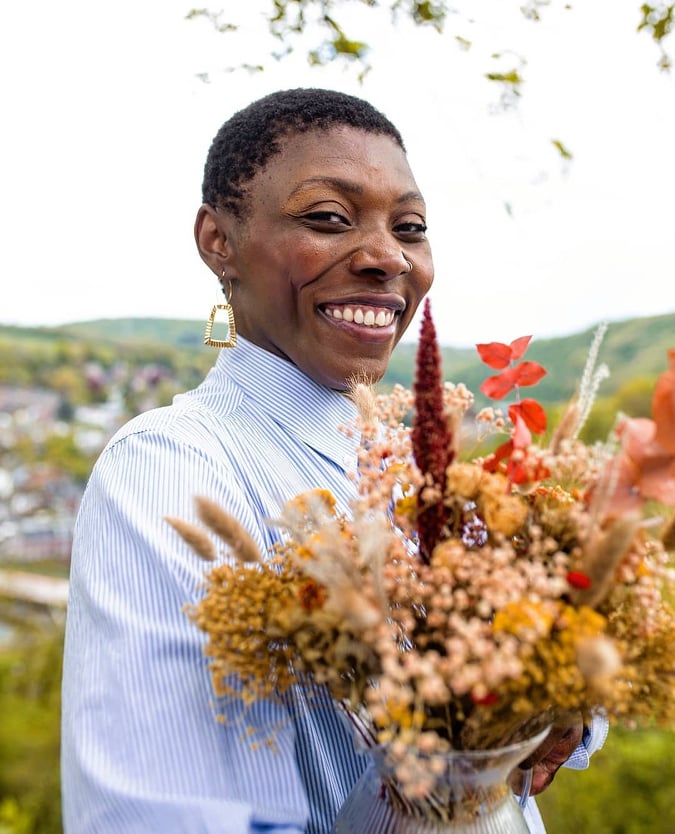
562 740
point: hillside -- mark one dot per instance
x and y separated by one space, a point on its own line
633 349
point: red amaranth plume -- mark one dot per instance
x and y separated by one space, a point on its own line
431 436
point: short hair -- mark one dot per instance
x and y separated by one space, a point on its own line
247 140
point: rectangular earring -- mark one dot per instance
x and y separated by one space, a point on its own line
226 308
231 340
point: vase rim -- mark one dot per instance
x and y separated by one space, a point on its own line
489 752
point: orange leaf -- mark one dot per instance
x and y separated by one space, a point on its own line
498 386
495 354
663 406
643 469
532 414
528 373
519 346
658 479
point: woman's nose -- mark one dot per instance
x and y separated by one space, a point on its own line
380 259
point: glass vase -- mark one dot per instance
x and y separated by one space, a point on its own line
470 794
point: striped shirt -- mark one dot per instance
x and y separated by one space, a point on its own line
142 749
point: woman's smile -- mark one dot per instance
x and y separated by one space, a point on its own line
368 316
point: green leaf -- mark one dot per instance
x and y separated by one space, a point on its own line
562 150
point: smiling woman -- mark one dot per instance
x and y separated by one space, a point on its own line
313 223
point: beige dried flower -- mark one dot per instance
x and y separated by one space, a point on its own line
227 528
599 661
602 554
198 539
363 397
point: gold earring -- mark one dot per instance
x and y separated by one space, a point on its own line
231 340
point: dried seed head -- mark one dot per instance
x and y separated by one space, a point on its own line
226 527
198 539
363 397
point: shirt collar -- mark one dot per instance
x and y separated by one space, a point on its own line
313 413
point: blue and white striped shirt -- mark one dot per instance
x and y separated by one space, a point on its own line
142 750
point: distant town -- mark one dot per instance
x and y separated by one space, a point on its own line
39 500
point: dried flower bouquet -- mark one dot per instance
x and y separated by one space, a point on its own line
466 599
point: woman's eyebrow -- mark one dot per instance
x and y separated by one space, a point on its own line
335 182
410 195
350 187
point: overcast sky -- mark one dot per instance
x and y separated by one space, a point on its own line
106 123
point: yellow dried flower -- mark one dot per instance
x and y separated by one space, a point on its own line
503 512
523 617
464 479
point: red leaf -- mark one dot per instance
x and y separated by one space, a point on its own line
491 463
518 472
579 580
519 346
495 354
526 472
532 414
528 373
521 434
498 386
487 700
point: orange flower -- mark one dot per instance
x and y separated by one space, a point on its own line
311 595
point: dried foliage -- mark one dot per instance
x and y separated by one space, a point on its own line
545 588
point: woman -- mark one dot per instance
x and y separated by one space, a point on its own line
314 225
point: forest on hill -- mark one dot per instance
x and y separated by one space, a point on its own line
634 350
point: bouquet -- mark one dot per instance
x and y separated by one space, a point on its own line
467 598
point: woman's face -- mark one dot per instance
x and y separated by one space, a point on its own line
319 264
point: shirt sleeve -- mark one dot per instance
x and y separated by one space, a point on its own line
592 740
142 749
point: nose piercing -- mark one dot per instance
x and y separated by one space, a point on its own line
410 266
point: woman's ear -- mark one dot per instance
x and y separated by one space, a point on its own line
212 239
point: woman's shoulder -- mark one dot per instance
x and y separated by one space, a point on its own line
191 420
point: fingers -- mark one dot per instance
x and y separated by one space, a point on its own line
563 738
554 755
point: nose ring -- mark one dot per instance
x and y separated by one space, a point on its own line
410 266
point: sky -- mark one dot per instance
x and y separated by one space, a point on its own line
107 119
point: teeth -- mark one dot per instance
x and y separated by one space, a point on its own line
369 318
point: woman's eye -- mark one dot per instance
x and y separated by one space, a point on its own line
411 229
327 218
